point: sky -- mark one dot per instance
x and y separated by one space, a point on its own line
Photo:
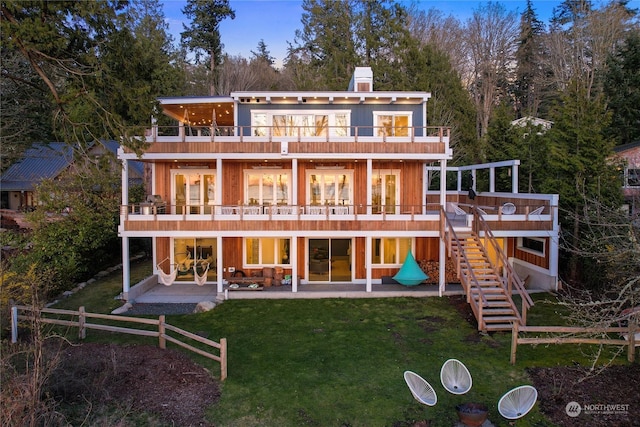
276 21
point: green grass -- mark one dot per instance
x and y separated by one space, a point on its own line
339 362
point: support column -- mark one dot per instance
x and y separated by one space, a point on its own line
219 265
514 178
442 254
293 255
369 190
294 184
367 262
492 180
126 268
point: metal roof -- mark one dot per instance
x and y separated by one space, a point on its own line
47 161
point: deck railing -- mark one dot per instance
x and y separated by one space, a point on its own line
300 133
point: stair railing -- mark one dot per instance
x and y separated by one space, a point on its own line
510 278
448 234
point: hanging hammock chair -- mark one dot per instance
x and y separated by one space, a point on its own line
410 274
167 279
200 279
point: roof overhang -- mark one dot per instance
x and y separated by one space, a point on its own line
200 110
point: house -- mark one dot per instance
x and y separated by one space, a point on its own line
628 156
47 161
330 190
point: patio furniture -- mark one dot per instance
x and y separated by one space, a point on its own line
508 209
167 279
200 280
537 211
455 377
410 274
517 402
420 389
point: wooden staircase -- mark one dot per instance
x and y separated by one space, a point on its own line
488 286
485 290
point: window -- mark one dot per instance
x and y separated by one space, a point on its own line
385 191
392 124
390 251
329 187
266 251
633 178
531 244
295 123
267 188
193 191
189 253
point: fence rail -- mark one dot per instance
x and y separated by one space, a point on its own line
160 323
630 339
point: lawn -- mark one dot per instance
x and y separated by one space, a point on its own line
340 362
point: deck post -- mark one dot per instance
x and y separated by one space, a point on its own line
14 324
162 342
631 350
514 342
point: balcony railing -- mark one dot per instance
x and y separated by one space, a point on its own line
299 133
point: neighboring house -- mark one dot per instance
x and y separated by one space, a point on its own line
47 161
629 157
327 188
532 121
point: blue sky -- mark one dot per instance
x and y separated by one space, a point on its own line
275 21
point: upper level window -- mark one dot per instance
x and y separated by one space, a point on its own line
392 123
296 123
267 188
390 251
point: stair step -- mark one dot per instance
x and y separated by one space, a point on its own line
499 327
494 319
496 311
498 303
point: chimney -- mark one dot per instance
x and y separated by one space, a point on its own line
362 80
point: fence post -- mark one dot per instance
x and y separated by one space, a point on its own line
514 342
14 324
631 351
162 342
223 359
82 331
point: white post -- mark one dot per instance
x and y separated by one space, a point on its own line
492 180
126 268
367 262
443 202
369 189
14 324
293 256
514 178
220 264
294 183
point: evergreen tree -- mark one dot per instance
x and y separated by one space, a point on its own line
622 87
528 84
578 167
203 35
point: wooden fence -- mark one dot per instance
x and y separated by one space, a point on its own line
160 332
629 331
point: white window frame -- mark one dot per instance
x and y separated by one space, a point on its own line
323 172
520 246
331 115
202 190
276 243
399 262
275 173
394 114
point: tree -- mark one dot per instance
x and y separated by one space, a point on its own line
578 167
528 85
203 35
263 53
492 35
622 88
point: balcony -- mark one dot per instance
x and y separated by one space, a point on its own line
298 141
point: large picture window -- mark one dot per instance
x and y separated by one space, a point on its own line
294 123
199 252
392 123
267 188
266 251
390 251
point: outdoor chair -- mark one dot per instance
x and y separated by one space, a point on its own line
517 402
537 211
455 377
420 388
508 209
167 279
